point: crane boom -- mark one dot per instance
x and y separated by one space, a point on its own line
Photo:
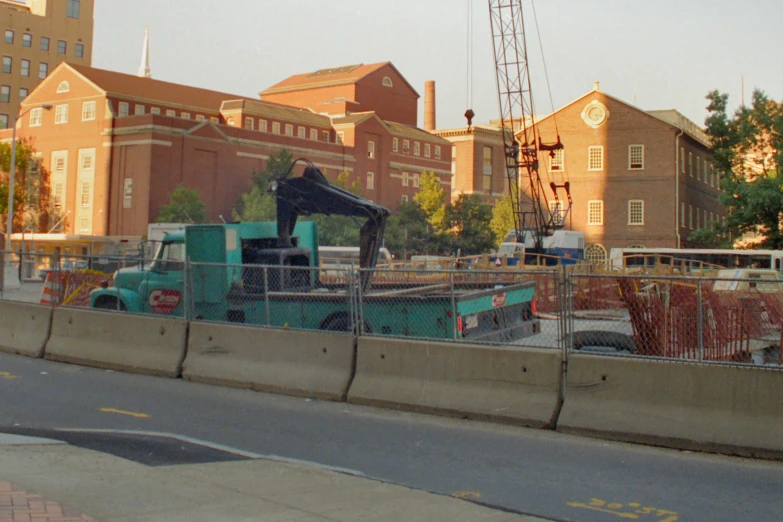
520 135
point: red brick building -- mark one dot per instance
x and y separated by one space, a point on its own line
637 178
116 145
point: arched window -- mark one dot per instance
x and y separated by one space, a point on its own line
636 245
63 87
387 82
595 254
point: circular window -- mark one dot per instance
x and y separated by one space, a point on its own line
595 114
595 254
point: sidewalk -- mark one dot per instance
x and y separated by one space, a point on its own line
43 480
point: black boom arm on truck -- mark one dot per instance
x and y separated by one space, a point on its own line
310 194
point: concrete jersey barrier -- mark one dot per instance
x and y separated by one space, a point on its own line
24 328
289 362
683 405
499 384
134 343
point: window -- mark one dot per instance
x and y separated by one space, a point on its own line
5 94
289 129
635 157
698 169
169 112
7 62
340 138
704 223
325 136
556 163
231 122
44 43
486 183
62 47
595 212
214 119
370 181
61 114
682 160
139 109
27 40
698 214
262 125
395 144
3 121
25 68
276 127
59 165
43 70
406 147
690 217
690 164
404 199
200 117
404 179
387 82
415 180
124 110
437 151
9 36
79 51
314 134
595 158
63 87
427 150
301 132
595 254
73 9
416 148
85 194
59 193
23 93
636 212
557 211
185 115
88 110
154 110
487 161
682 215
36 115
371 149
250 123
712 218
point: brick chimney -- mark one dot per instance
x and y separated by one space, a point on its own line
429 106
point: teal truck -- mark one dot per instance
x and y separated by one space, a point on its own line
266 274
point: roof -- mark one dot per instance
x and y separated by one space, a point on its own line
129 85
278 110
345 75
400 129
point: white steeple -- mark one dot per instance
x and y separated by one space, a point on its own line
144 70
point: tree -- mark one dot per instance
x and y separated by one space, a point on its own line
469 221
502 219
259 204
185 206
409 233
432 198
339 230
32 197
747 149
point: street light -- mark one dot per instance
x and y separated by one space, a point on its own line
9 228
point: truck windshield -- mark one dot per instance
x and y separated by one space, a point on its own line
170 257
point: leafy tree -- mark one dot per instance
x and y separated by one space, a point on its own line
432 198
32 198
747 150
259 204
339 230
409 233
185 206
469 221
502 219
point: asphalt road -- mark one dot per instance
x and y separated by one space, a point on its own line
543 473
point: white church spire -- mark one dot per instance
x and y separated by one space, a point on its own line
144 70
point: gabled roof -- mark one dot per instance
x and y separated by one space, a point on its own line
335 76
121 84
276 110
408 131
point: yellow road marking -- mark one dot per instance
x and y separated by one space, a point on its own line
124 412
6 375
467 495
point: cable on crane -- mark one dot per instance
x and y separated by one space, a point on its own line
469 114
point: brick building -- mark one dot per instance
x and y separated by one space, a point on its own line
637 178
116 145
39 35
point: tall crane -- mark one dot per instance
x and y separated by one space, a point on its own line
522 143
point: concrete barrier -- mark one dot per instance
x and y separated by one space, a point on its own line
289 362
515 386
152 345
688 406
24 328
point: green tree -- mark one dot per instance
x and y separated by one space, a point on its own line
469 222
259 204
409 233
185 206
339 230
432 199
747 149
32 207
502 219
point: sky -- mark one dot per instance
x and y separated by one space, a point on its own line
661 54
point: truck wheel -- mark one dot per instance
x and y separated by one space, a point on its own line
598 341
110 303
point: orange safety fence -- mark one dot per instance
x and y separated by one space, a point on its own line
72 288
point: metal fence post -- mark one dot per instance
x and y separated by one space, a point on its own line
359 302
185 290
454 319
57 283
266 295
700 327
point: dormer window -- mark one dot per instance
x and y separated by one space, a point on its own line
387 82
63 87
